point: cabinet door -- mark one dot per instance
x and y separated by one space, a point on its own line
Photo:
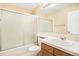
11 30
60 53
45 53
47 48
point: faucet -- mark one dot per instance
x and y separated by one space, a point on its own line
63 38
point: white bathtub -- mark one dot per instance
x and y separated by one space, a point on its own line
19 51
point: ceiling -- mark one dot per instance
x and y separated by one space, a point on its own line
54 7
29 6
45 8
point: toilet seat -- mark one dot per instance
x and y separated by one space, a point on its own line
34 48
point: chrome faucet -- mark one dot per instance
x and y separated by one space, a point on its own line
62 38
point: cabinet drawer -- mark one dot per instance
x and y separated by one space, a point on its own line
58 52
47 48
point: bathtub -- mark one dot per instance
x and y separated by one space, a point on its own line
19 51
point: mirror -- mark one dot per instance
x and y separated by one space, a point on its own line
73 22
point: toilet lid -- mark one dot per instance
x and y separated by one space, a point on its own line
34 48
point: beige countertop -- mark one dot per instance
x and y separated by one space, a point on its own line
69 46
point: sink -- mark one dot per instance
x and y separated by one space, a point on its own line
61 42
67 45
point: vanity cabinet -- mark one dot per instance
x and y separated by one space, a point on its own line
58 52
47 50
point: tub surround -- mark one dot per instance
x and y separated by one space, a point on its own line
68 46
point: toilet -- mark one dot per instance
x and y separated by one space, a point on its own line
34 50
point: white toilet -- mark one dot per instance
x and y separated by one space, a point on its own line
34 49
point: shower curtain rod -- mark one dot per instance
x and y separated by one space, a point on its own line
20 13
14 11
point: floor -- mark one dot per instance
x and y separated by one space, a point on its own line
20 51
26 53
29 54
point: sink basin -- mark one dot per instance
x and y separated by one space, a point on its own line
63 42
69 46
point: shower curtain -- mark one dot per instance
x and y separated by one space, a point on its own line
17 29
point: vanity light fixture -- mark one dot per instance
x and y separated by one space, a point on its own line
46 5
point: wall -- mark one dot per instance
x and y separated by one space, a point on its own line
0 5
11 7
59 18
42 14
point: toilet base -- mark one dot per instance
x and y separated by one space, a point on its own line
34 50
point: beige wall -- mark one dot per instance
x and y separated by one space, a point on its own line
12 7
59 18
0 5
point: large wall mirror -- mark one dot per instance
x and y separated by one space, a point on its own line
73 22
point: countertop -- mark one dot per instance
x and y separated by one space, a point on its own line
69 46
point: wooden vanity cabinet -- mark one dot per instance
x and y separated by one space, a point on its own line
47 50
46 53
58 52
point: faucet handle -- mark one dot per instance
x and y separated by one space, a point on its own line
62 38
